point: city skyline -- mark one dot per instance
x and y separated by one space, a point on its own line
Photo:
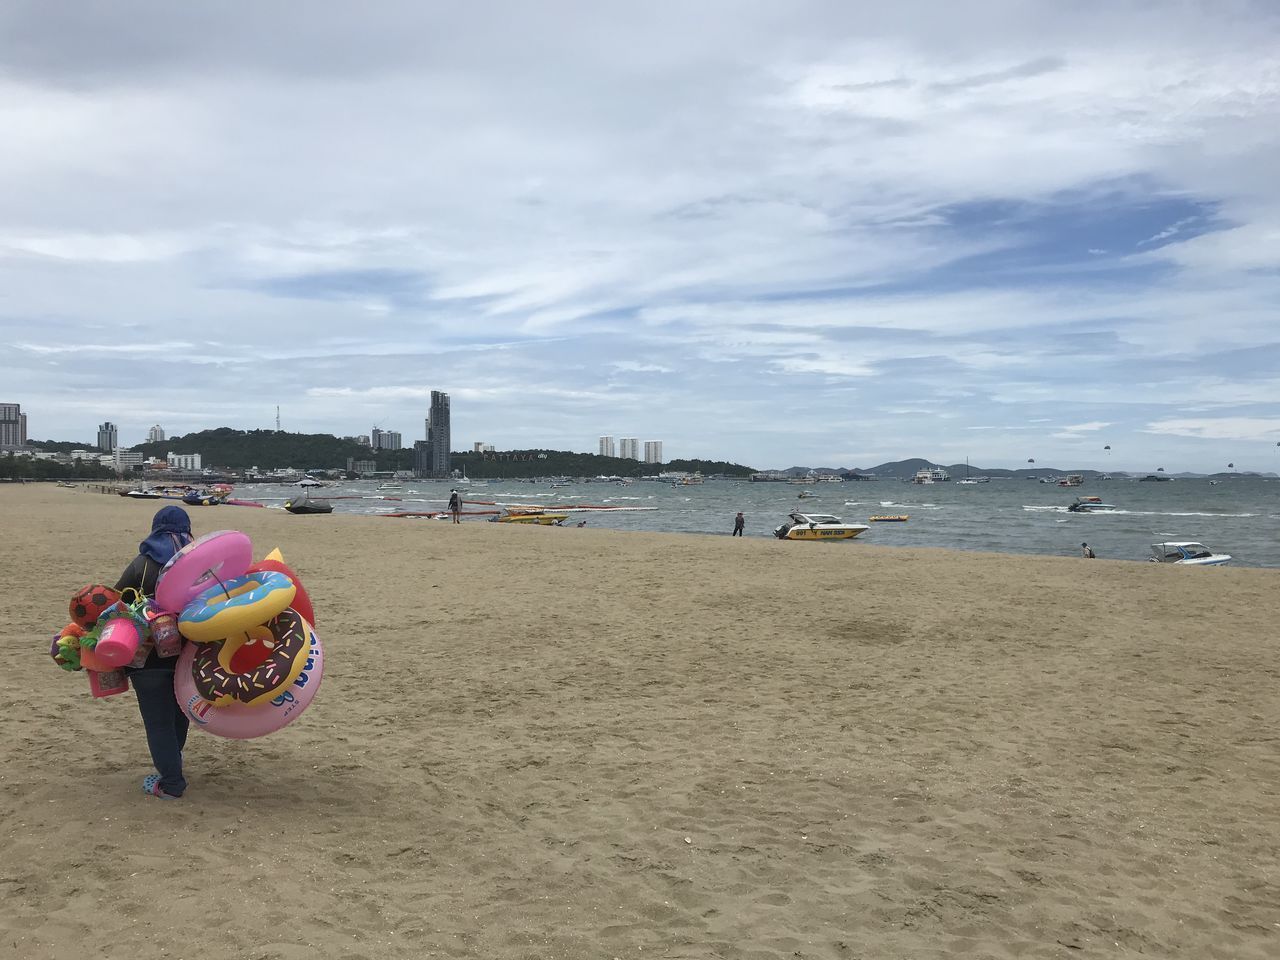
985 230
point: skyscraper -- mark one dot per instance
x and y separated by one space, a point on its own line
606 447
629 448
653 451
390 439
438 434
375 438
107 437
155 434
13 425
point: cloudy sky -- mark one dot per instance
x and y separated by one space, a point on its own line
777 233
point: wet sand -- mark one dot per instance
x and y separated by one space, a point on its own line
545 742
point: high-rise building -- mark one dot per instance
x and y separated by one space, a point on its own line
13 425
375 438
606 447
438 434
390 440
629 448
421 458
107 437
653 451
155 434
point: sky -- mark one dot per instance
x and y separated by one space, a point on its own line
819 233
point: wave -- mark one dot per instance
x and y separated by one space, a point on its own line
1039 508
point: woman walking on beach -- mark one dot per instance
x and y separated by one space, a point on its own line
739 522
455 506
165 722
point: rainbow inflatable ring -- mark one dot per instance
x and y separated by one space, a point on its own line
254 661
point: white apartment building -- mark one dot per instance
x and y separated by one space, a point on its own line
155 434
653 451
629 448
184 461
607 448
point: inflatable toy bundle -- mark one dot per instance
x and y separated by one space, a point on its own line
254 662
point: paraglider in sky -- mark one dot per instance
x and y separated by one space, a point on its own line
1159 469
1031 460
1230 466
1107 447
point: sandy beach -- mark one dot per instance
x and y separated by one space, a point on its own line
537 742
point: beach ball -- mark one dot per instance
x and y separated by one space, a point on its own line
89 603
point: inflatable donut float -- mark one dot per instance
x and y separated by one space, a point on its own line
254 667
258 717
236 606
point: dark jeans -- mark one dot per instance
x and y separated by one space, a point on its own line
166 725
737 531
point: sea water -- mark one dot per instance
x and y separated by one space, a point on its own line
1240 517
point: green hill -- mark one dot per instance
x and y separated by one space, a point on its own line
269 449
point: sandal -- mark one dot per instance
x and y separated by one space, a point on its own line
151 787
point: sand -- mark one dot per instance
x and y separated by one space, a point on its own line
539 742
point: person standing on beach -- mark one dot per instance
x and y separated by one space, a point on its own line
1086 551
455 506
163 719
739 522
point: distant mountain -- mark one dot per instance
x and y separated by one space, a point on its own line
905 469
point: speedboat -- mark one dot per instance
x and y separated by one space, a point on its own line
806 495
817 526
534 515
1089 504
309 482
305 504
1187 553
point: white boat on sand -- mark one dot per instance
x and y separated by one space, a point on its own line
1187 553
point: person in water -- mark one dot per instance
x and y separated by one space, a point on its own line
739 522
455 506
163 719
1086 551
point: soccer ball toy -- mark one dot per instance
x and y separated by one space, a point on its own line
91 602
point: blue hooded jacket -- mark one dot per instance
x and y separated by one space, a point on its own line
170 532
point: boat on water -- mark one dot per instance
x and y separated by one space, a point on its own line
1154 478
806 495
209 496
310 482
1187 553
305 505
1072 480
530 515
64 483
817 526
968 480
1089 504
931 475
890 518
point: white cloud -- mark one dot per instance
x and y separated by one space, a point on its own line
521 205
1220 428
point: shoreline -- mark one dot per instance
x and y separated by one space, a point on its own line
602 745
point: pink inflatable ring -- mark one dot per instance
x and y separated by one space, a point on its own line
201 564
237 721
